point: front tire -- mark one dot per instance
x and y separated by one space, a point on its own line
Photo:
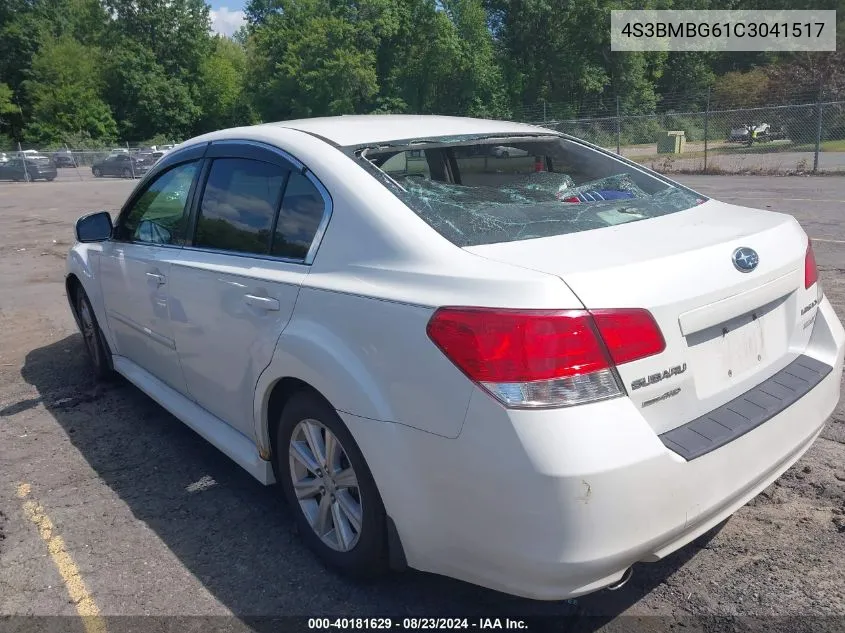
97 172
329 488
127 173
93 337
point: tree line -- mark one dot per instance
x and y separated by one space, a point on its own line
87 73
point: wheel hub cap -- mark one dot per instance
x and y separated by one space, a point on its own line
326 485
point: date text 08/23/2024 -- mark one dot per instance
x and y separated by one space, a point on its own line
436 624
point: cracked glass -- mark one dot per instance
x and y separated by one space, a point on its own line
487 190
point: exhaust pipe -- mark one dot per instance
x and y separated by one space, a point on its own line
622 581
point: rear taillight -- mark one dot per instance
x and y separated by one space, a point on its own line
544 358
811 272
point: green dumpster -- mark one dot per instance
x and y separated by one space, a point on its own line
671 142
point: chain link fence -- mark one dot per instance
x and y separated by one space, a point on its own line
783 139
801 136
31 164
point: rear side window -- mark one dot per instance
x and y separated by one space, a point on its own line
299 218
239 205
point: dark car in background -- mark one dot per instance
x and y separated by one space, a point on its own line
64 158
123 165
28 169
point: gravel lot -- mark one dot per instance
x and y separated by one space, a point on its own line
157 522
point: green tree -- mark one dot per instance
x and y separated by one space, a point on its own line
222 100
685 80
6 105
307 60
145 98
740 89
8 110
176 32
315 57
64 93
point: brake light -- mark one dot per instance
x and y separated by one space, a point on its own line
811 272
544 358
629 334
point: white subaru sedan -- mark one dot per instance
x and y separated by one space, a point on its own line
526 371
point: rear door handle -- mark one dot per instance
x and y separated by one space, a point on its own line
262 303
157 277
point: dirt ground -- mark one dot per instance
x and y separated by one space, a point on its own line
108 502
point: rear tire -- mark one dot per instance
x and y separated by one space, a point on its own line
93 337
327 507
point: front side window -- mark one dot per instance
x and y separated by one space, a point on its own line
159 214
485 190
239 205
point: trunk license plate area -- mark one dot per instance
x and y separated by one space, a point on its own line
727 354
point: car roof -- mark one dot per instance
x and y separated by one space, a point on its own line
360 129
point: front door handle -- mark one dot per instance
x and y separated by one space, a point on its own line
262 303
157 277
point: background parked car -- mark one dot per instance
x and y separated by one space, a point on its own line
739 134
3 158
31 168
121 165
508 152
64 158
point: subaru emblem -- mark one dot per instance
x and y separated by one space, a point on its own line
745 259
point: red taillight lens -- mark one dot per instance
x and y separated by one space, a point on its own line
491 345
629 334
520 348
811 272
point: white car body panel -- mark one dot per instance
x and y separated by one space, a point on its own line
548 503
633 265
225 336
137 307
596 492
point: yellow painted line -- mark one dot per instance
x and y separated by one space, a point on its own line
76 589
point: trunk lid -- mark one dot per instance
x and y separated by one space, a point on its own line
726 330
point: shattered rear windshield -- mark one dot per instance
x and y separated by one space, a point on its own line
487 190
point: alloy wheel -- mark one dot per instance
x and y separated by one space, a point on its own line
325 485
89 330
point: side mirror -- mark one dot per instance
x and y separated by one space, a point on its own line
94 227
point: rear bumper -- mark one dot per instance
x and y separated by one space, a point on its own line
555 504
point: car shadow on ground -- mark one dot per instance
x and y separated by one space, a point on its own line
236 536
